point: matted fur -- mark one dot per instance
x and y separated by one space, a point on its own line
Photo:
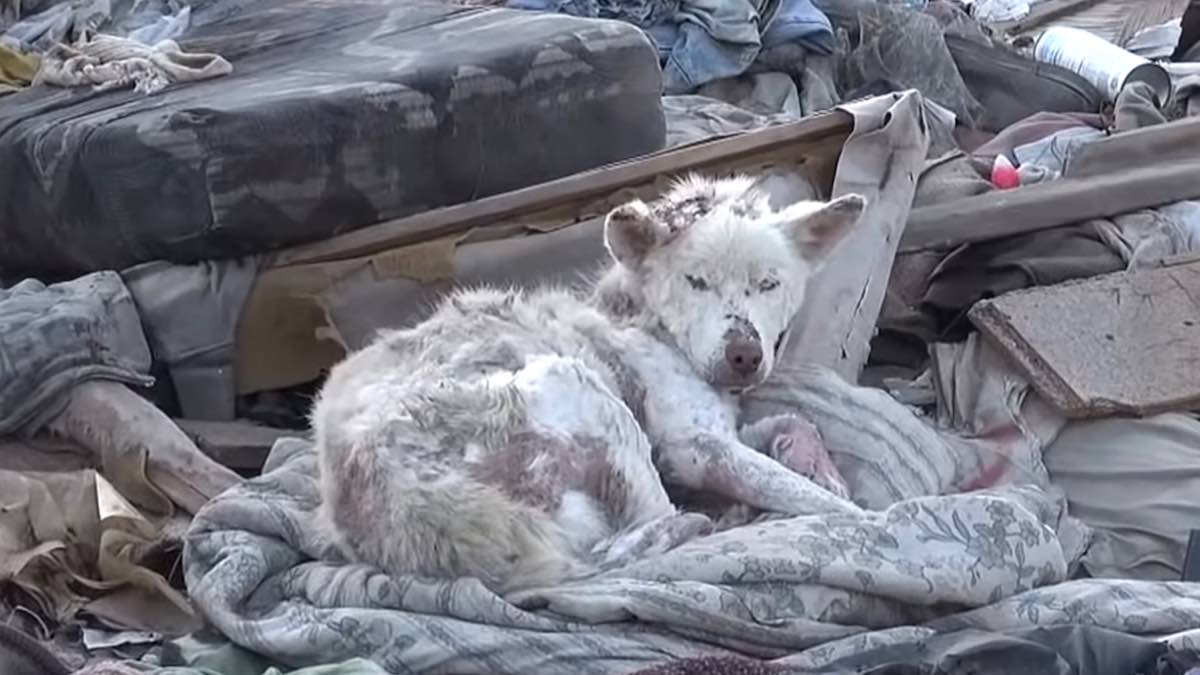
524 438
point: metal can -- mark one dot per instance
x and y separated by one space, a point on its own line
1107 66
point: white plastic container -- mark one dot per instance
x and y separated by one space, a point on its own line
1099 61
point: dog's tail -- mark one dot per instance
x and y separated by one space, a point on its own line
447 525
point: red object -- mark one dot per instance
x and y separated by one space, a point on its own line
1004 174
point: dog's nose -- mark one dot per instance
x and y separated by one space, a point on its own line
744 356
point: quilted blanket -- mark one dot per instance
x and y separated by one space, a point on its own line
803 591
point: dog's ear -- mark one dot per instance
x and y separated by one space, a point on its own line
817 228
631 232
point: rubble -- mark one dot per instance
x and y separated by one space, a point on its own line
1000 360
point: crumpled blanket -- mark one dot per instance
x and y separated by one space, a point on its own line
55 337
806 591
701 41
111 62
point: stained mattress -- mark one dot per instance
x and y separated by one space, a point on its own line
339 114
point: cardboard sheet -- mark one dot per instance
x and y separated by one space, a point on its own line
1125 343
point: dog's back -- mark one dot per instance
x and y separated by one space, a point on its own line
394 426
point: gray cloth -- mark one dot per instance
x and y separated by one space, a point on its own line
814 589
1047 158
1137 106
894 48
1060 650
54 337
1137 482
1144 238
952 176
987 269
692 118
22 655
765 93
191 315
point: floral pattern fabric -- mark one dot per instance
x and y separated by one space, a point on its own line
805 591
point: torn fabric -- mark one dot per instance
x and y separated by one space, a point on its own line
113 62
55 337
70 542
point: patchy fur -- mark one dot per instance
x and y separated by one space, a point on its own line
524 438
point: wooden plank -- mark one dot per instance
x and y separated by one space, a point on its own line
1129 171
283 335
240 444
1041 206
589 184
1125 343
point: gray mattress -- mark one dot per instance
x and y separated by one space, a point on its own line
338 115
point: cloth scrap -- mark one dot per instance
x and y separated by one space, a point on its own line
53 338
1145 238
69 541
190 313
700 41
1135 481
112 62
17 70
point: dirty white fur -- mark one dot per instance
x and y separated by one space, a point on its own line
524 437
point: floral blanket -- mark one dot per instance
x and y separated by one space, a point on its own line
805 591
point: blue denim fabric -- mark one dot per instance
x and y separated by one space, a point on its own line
55 337
801 22
700 41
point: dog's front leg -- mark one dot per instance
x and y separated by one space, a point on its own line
723 464
796 443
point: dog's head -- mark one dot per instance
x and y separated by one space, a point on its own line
722 273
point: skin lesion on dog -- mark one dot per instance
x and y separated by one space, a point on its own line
529 437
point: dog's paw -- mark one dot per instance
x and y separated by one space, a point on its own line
797 445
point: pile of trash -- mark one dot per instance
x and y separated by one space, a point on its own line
1006 378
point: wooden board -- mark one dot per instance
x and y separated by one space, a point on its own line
284 337
1125 343
239 445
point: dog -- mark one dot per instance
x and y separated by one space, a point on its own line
526 438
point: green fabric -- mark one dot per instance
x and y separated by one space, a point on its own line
17 70
212 655
215 654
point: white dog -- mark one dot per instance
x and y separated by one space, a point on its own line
524 438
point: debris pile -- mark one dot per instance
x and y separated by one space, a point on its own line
1001 360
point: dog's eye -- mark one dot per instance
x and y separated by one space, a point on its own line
696 282
768 285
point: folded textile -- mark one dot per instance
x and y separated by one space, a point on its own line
701 41
1144 238
1032 129
110 62
17 70
191 313
813 588
69 541
892 48
55 337
146 21
1135 481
